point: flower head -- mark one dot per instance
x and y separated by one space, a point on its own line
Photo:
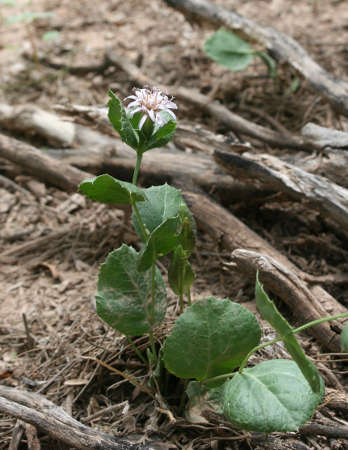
151 102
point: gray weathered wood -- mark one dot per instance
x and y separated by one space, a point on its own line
282 47
329 198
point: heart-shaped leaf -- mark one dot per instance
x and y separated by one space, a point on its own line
118 117
269 312
229 50
124 294
161 241
272 396
210 338
107 189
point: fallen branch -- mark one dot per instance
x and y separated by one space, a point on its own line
282 47
212 217
329 198
41 413
218 111
284 283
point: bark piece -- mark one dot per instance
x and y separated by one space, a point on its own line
41 413
282 47
329 198
284 283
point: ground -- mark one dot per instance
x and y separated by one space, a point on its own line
48 285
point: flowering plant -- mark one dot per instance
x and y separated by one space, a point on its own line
213 339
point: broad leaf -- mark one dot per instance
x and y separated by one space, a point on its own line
229 50
161 241
269 312
272 396
124 294
180 273
118 117
162 203
162 136
210 338
344 338
107 189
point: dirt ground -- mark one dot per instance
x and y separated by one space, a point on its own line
53 243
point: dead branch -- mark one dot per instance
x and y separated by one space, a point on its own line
329 198
284 283
325 137
282 47
41 413
213 218
218 111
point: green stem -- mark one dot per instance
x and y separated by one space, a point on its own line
181 302
153 288
131 343
295 331
318 321
140 221
137 167
153 348
219 377
189 301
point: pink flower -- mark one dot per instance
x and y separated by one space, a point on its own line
151 103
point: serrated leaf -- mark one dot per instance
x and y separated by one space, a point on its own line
344 338
124 294
118 117
229 50
269 312
161 241
215 334
107 189
272 396
180 273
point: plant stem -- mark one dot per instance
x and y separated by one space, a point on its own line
318 321
181 302
137 167
189 302
295 331
131 343
219 377
153 348
140 221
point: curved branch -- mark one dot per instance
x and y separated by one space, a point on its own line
282 47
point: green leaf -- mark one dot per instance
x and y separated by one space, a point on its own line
180 273
344 338
210 338
107 189
188 234
124 294
51 35
118 117
272 396
162 203
229 50
28 17
161 241
269 312
162 136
